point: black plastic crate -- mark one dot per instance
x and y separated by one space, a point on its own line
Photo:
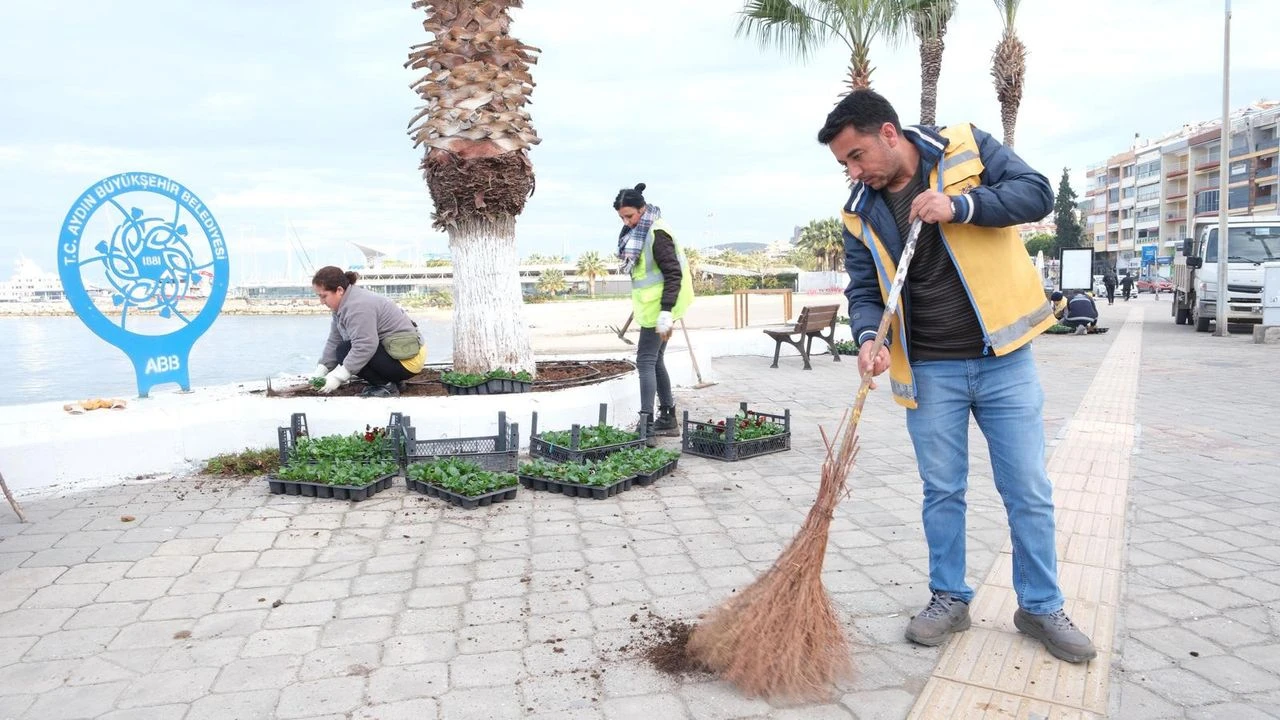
466 502
321 490
701 438
287 437
502 386
491 452
481 389
596 492
559 453
651 477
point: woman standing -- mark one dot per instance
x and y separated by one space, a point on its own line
661 291
370 337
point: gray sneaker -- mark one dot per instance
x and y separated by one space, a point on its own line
1060 636
945 614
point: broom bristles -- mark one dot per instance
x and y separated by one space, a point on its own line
780 637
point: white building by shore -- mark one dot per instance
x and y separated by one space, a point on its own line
30 284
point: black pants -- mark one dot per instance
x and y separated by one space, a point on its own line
652 367
1111 294
381 368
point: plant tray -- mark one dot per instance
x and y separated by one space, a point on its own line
500 386
287 437
701 439
491 452
559 453
466 502
596 492
337 492
650 478
481 389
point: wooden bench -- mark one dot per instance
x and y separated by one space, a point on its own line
818 321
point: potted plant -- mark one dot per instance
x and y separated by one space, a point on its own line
746 434
460 483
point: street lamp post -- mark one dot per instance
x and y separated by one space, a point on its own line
1224 193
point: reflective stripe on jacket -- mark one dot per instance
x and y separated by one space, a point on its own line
992 190
646 282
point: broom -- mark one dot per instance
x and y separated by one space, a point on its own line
780 637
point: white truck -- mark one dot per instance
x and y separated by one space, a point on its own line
1251 241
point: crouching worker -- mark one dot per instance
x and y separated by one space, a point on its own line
1079 312
370 337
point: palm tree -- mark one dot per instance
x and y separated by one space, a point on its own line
801 27
591 267
551 282
824 239
1009 68
929 19
693 257
476 136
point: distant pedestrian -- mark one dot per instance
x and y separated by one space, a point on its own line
1109 281
1126 285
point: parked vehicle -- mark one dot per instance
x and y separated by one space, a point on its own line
1155 285
1251 241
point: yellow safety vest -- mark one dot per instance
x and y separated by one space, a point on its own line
1002 283
646 282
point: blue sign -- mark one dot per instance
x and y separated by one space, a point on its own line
149 251
1148 254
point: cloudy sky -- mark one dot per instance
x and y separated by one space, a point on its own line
289 117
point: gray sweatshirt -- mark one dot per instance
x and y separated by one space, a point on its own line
363 319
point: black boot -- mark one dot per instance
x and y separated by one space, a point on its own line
666 424
645 428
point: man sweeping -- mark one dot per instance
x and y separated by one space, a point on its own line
960 344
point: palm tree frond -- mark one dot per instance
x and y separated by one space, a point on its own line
785 25
1008 12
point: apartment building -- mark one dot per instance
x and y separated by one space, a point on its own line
1151 194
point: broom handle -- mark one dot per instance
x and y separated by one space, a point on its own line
890 307
13 503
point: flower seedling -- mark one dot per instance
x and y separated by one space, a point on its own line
460 477
748 426
590 436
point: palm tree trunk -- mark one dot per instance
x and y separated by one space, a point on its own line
488 324
930 68
860 70
1008 68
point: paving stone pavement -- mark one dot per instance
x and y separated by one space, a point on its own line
1199 632
219 600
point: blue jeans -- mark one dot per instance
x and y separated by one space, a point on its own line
1006 399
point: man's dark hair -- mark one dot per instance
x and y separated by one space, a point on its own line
863 110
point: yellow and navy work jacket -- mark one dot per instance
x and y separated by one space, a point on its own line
646 282
991 190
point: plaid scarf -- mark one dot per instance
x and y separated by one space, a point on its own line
631 240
